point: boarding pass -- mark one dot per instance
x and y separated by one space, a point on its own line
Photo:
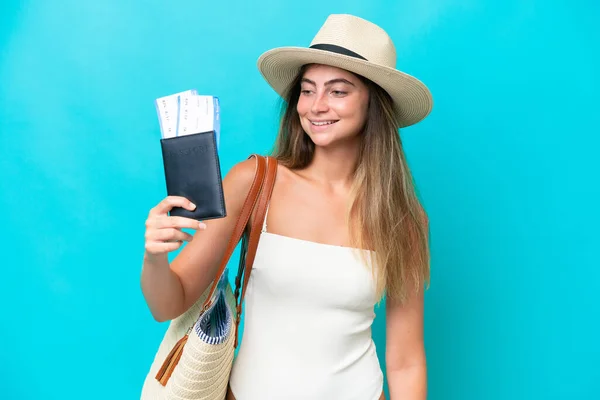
186 113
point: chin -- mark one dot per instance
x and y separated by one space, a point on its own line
322 143
330 139
321 139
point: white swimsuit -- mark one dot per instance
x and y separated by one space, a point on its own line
307 329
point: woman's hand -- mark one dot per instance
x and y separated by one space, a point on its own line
163 232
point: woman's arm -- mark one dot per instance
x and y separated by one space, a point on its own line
405 351
169 290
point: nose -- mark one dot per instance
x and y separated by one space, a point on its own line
320 104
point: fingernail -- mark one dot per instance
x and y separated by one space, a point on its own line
193 205
202 225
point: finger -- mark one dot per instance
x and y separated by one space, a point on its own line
170 234
162 247
172 201
165 221
167 235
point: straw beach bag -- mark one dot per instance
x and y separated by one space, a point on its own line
194 359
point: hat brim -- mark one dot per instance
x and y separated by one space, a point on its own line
412 99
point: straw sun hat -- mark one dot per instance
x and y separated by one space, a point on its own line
359 46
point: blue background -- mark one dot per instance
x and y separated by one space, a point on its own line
506 166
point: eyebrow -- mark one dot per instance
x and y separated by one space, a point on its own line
330 82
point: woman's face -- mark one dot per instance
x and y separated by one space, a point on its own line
333 104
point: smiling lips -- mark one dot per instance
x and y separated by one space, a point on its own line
323 123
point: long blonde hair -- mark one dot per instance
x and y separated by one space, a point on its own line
385 214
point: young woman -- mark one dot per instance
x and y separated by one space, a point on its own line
344 228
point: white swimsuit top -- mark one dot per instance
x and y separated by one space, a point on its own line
308 313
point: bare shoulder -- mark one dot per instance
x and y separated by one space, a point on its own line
240 176
237 184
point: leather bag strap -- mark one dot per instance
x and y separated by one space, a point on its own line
261 211
253 236
241 224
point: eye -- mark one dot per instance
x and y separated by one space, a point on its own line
306 92
339 93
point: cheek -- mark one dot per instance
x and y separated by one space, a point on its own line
365 109
351 109
362 109
302 107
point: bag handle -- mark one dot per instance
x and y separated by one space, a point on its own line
241 224
252 238
261 211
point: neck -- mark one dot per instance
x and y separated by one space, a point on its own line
333 167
